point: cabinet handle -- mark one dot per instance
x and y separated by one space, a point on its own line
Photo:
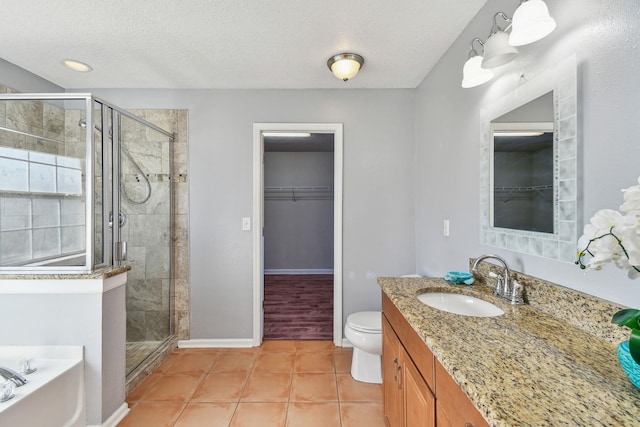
398 370
395 374
468 425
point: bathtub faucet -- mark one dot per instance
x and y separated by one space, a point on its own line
13 376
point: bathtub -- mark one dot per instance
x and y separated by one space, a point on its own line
54 395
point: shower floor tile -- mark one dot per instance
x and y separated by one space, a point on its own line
138 351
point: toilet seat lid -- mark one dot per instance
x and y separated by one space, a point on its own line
366 321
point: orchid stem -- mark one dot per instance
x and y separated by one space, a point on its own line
586 250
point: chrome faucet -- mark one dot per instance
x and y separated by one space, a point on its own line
13 376
505 288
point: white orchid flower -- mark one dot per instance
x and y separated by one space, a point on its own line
612 236
631 199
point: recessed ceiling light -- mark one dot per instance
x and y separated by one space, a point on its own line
287 134
74 65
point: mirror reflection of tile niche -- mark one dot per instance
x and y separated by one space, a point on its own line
527 230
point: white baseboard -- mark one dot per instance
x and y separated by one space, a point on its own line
115 418
217 343
298 271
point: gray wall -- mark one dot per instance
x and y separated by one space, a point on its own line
298 233
603 36
378 208
23 81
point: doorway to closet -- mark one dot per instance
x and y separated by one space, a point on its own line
298 232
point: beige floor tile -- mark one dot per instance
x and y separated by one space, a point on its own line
234 362
350 390
275 362
315 346
221 387
174 387
206 414
267 388
145 386
169 361
278 346
366 414
342 362
152 414
316 362
193 362
313 414
260 414
314 388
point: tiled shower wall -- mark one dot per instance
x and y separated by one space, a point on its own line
148 305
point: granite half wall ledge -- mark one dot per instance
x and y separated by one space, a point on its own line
584 311
99 273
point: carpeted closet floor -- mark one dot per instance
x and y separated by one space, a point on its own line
298 307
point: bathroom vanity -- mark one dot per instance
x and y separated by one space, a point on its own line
525 367
410 389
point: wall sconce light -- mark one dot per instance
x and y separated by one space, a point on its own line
531 22
473 74
497 50
345 65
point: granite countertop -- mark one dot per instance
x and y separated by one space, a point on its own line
100 273
524 368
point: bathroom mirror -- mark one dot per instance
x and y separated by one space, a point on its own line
522 167
528 167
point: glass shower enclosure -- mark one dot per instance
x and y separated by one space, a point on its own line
84 185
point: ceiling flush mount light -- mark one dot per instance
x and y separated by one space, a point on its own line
74 65
531 22
497 50
345 65
473 74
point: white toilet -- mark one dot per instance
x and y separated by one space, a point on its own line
364 331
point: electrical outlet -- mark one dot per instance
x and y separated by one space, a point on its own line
445 227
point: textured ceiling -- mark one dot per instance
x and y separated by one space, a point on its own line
230 43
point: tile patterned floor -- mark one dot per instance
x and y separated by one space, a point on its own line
280 384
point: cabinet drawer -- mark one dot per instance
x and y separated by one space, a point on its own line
415 346
454 407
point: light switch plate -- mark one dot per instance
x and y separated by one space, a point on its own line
246 223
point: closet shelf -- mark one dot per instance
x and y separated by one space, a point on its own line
506 194
298 193
531 188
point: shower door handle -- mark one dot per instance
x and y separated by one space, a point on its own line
121 251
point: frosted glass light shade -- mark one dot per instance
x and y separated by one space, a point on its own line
498 51
345 65
473 74
531 22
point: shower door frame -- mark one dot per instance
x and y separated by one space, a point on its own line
89 189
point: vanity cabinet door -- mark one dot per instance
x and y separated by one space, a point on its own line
454 407
419 402
408 401
393 399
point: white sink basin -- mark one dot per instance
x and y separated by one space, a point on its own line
464 305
